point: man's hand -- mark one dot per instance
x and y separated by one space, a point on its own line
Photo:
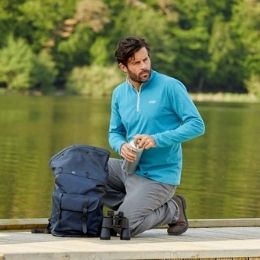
128 152
144 141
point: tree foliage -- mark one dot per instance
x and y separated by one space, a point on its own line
16 62
44 72
246 25
210 45
93 80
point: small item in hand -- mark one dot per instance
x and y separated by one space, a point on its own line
130 167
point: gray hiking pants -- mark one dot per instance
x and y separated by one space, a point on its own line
146 203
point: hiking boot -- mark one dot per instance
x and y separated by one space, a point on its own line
181 225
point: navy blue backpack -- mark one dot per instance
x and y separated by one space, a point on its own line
80 173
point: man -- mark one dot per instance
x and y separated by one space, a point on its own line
156 112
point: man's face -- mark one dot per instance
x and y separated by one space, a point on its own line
138 66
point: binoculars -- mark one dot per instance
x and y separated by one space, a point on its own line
117 222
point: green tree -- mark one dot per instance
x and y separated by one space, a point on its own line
189 40
83 45
225 66
98 51
38 21
248 33
203 43
138 18
95 80
8 13
73 51
16 63
44 72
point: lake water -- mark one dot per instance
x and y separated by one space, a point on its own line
221 173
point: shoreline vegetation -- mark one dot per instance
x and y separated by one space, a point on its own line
224 97
70 46
197 97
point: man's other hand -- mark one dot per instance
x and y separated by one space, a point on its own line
144 141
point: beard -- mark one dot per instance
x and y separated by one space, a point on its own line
141 77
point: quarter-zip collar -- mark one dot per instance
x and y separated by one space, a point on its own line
138 92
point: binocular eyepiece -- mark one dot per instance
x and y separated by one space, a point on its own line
117 222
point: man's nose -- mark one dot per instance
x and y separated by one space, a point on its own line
143 65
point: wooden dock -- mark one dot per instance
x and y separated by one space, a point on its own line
214 242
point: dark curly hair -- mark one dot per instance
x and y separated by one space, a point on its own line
128 46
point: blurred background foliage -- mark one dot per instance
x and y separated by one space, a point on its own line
48 46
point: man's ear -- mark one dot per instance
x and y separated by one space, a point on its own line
122 67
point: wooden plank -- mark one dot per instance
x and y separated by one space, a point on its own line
21 224
238 222
152 244
211 223
240 258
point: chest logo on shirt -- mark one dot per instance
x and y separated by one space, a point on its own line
153 101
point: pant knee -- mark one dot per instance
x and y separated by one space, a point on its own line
135 219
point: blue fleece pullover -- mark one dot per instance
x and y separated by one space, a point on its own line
163 109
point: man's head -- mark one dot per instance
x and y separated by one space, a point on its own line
133 58
127 47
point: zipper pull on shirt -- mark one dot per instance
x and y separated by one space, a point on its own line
138 99
138 92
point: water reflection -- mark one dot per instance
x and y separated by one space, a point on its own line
221 169
221 173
